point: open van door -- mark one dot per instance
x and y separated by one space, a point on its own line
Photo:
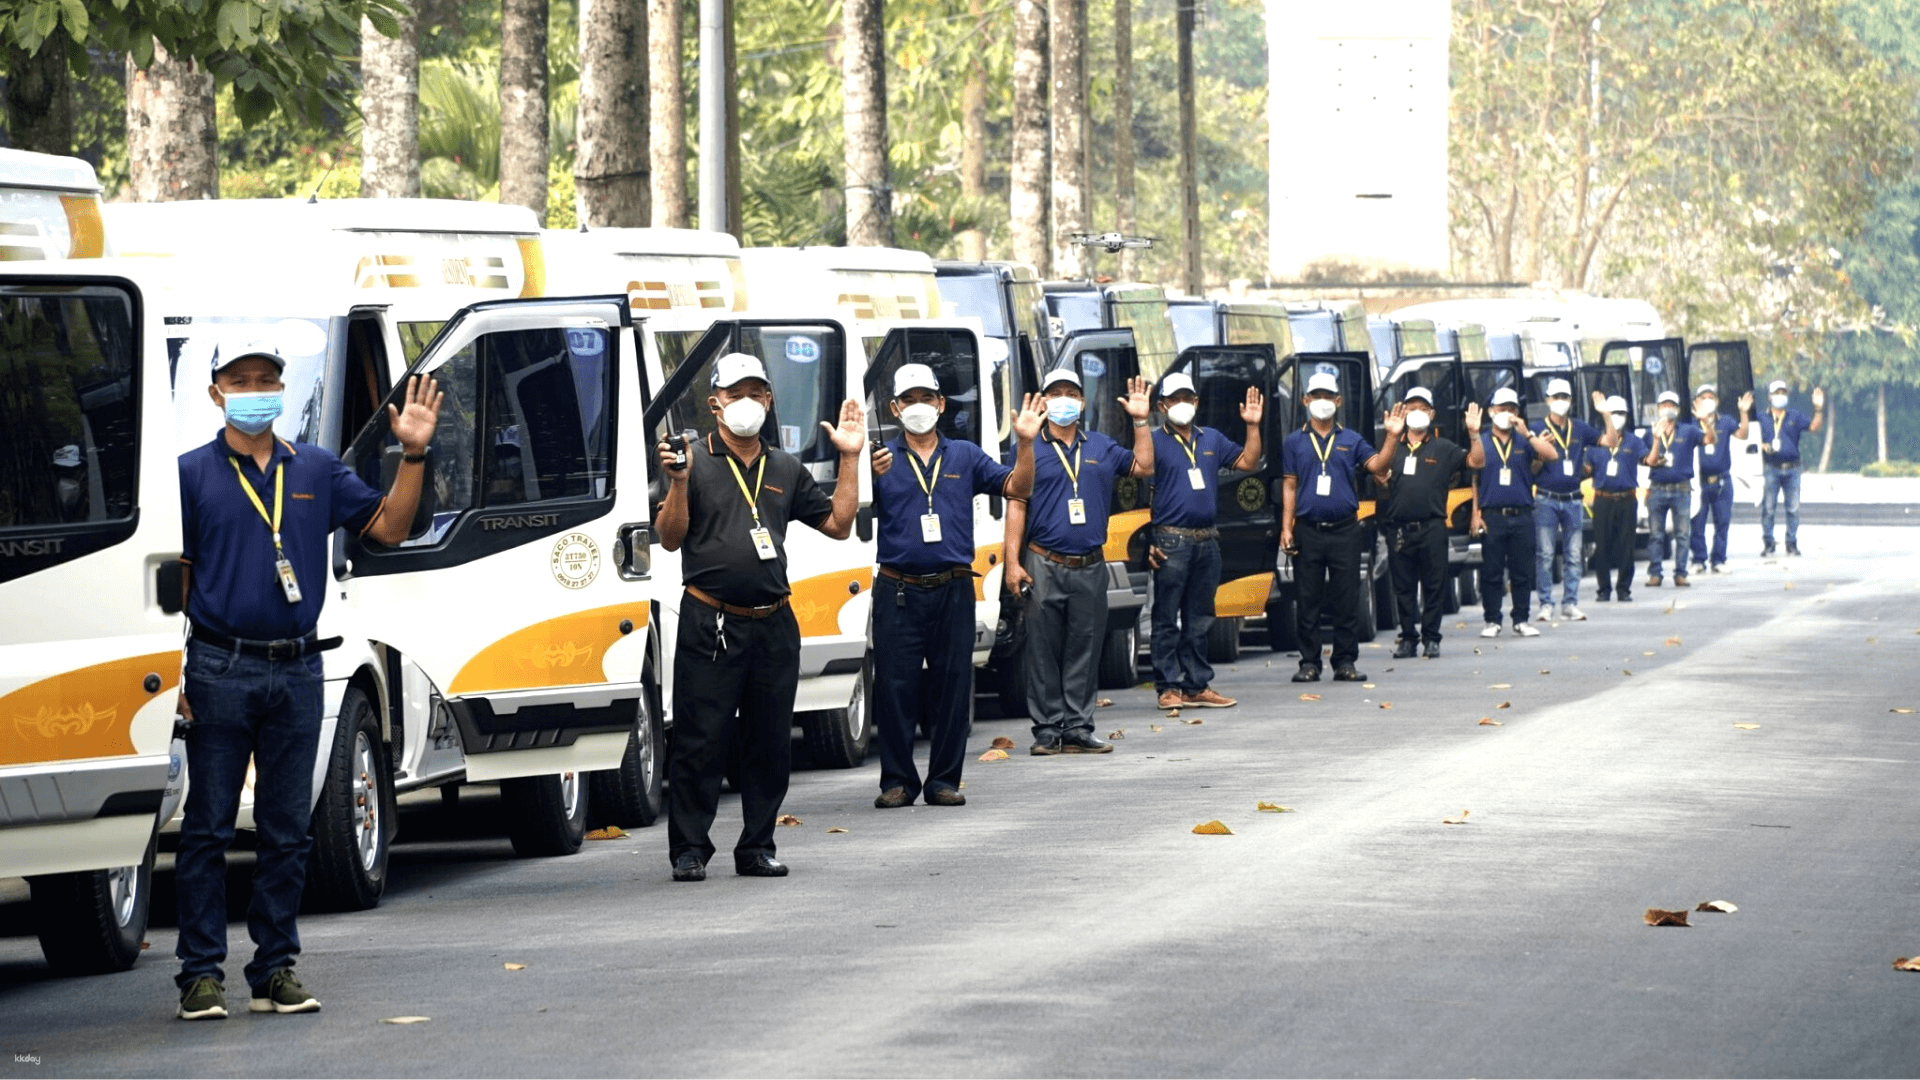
1444 376
1657 365
1727 365
1287 413
1486 376
1612 380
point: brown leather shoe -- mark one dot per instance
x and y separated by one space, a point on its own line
1207 699
892 799
944 796
1172 699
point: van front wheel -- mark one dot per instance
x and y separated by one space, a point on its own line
92 922
352 825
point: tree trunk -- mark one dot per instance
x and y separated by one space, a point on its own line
1123 208
863 69
1028 198
390 101
1832 425
172 140
523 104
1190 276
736 182
667 111
1880 421
40 97
1067 47
610 166
973 133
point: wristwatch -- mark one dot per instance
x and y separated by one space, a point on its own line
414 459
1139 423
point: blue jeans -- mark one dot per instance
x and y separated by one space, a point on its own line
270 710
1557 521
1662 505
1781 478
1716 499
1183 591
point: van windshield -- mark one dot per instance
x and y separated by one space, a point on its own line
69 407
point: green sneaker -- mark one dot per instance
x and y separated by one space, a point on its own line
203 999
283 994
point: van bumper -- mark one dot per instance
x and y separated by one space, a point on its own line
91 815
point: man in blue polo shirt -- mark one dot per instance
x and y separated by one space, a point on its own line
923 591
1503 510
1614 464
1781 429
1558 517
1670 449
1716 468
256 513
1320 526
1055 558
1188 459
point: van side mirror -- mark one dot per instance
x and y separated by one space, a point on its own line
170 585
424 511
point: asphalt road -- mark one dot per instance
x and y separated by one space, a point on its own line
1068 922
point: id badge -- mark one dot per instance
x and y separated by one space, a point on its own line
1195 480
1566 467
288 583
1506 477
1613 468
930 528
1076 511
1412 466
1776 444
1324 485
763 544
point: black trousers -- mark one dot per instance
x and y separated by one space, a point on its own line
915 626
734 680
1418 564
1506 554
1613 544
1326 579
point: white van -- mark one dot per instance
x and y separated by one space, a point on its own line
49 208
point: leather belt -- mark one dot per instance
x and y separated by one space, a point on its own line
1071 562
1506 511
1337 523
1613 494
282 649
1415 523
1793 463
736 610
1559 496
927 581
1191 534
1678 485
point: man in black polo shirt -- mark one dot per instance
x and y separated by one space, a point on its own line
256 513
728 507
1415 513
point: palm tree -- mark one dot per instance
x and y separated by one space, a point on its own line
667 123
390 104
611 166
172 141
1068 49
523 104
1029 169
863 66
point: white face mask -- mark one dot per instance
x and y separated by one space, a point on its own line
1779 401
1560 406
744 417
1669 412
1503 420
1322 409
1705 407
1181 412
1619 420
1419 419
920 418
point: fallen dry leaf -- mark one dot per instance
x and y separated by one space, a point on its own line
1273 808
514 967
995 754
1659 917
1649 652
1873 641
1504 705
1674 640
611 832
1173 714
1488 721
1309 697
1624 671
1476 650
1118 734
1788 585
1902 711
1195 720
1500 686
1366 686
1155 728
836 829
1103 703
1747 727
1461 820
145 945
1216 827
1386 704
406 1019
1724 907
1906 963
1463 626
1545 671
788 820
1001 742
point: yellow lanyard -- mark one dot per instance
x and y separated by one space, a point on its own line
1323 452
1073 470
760 476
1504 449
1193 458
926 485
1666 445
279 497
1566 444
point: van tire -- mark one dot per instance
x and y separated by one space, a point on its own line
1119 655
1283 631
546 815
1469 586
1369 616
630 794
1450 601
92 922
1010 675
1223 641
839 738
347 865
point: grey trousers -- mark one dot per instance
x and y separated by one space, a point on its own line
1066 625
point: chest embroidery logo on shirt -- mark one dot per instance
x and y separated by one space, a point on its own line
775 490
575 561
299 495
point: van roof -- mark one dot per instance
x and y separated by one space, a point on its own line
129 223
895 260
24 168
663 242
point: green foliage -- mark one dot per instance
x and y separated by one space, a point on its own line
1890 468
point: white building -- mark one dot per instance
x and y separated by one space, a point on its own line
1357 124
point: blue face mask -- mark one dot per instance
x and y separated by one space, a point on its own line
1063 410
253 413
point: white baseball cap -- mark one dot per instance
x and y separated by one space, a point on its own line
730 369
226 354
1175 383
1777 384
1060 375
1505 396
1666 396
1420 392
914 377
1616 403
1558 387
1323 381
1706 389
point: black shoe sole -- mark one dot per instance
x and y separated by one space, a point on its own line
1107 749
1355 677
754 871
1315 677
1045 751
957 800
690 875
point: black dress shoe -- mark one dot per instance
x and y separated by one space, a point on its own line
762 865
1307 673
1604 598
1768 550
1433 650
689 868
892 799
1405 649
1625 597
1346 673
1793 549
945 796
1084 742
1044 747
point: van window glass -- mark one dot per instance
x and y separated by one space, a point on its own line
1152 334
414 337
1193 324
195 342
976 296
69 407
